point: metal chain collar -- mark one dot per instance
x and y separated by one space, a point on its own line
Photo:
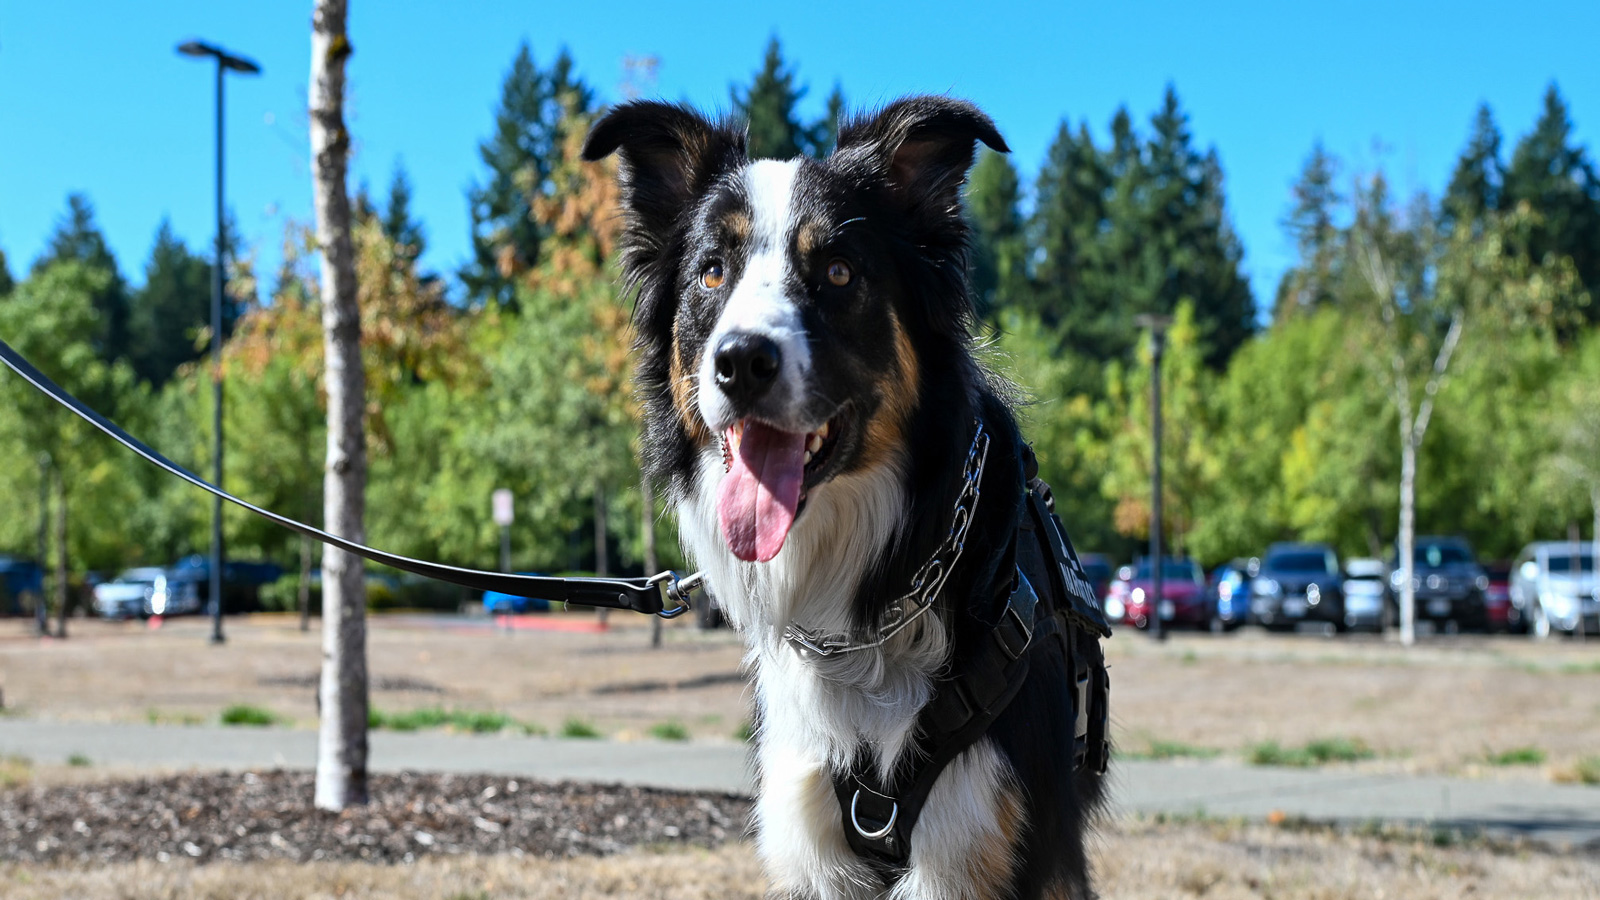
927 582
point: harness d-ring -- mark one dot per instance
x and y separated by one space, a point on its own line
855 821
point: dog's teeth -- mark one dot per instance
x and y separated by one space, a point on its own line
813 444
809 454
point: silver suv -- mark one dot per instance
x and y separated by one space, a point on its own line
1550 582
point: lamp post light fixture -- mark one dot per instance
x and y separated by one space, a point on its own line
225 62
1157 326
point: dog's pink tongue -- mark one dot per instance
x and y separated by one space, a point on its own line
761 492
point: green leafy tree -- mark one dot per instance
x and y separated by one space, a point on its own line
1556 180
768 107
524 149
78 238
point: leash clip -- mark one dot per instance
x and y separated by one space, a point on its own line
677 590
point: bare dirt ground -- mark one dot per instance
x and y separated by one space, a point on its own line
1133 861
1444 706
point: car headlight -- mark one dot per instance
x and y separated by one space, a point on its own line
1267 586
1482 581
1114 608
1137 596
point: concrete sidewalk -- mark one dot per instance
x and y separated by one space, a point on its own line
1561 815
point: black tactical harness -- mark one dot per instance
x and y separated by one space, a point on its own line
1050 603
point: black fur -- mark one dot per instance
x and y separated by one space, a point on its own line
890 199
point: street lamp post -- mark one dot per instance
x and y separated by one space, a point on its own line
1158 338
225 62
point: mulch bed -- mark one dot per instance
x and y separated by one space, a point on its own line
269 815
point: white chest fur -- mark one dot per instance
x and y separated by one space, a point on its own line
816 713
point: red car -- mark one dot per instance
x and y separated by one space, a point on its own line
1183 590
1497 598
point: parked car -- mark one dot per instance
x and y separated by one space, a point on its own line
1368 604
1097 567
496 603
1182 593
147 591
1449 583
1497 597
1228 594
1551 581
1298 583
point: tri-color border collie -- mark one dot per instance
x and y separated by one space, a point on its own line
813 399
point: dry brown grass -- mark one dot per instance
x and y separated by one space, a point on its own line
1444 706
1133 860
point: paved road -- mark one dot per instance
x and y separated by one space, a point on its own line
1562 815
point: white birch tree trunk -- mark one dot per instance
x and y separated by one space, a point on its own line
342 734
1408 535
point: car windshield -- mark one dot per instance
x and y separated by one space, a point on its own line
1183 569
148 575
1319 562
1438 555
1562 565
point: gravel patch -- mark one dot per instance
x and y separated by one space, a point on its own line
254 816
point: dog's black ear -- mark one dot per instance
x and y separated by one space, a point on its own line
669 155
923 147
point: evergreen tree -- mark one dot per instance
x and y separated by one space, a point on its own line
406 234
999 247
77 238
1475 185
170 310
1070 205
6 284
768 109
1310 224
525 148
824 133
1559 184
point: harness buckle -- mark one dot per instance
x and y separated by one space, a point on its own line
855 820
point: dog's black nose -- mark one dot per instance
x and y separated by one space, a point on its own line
747 365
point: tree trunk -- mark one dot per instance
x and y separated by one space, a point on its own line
602 560
1575 535
303 594
63 595
1408 529
651 564
40 606
342 738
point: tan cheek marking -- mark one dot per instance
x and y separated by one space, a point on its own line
886 432
994 857
810 237
737 225
684 395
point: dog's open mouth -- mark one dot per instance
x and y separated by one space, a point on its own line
769 472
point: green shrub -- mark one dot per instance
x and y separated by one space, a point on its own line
244 714
1587 770
1518 756
1179 750
669 731
578 728
1317 753
744 732
437 717
78 761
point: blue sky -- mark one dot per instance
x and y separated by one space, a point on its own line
93 98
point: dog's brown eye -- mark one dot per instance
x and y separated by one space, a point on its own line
839 273
711 276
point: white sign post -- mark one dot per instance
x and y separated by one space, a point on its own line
503 517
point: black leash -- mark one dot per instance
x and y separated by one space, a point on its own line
645 595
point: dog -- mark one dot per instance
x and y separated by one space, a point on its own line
850 478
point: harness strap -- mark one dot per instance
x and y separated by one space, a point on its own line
645 595
879 816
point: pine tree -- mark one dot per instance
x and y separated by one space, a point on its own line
169 311
768 108
1475 185
1310 224
824 133
525 148
398 225
78 238
999 247
6 284
1559 184
1070 206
